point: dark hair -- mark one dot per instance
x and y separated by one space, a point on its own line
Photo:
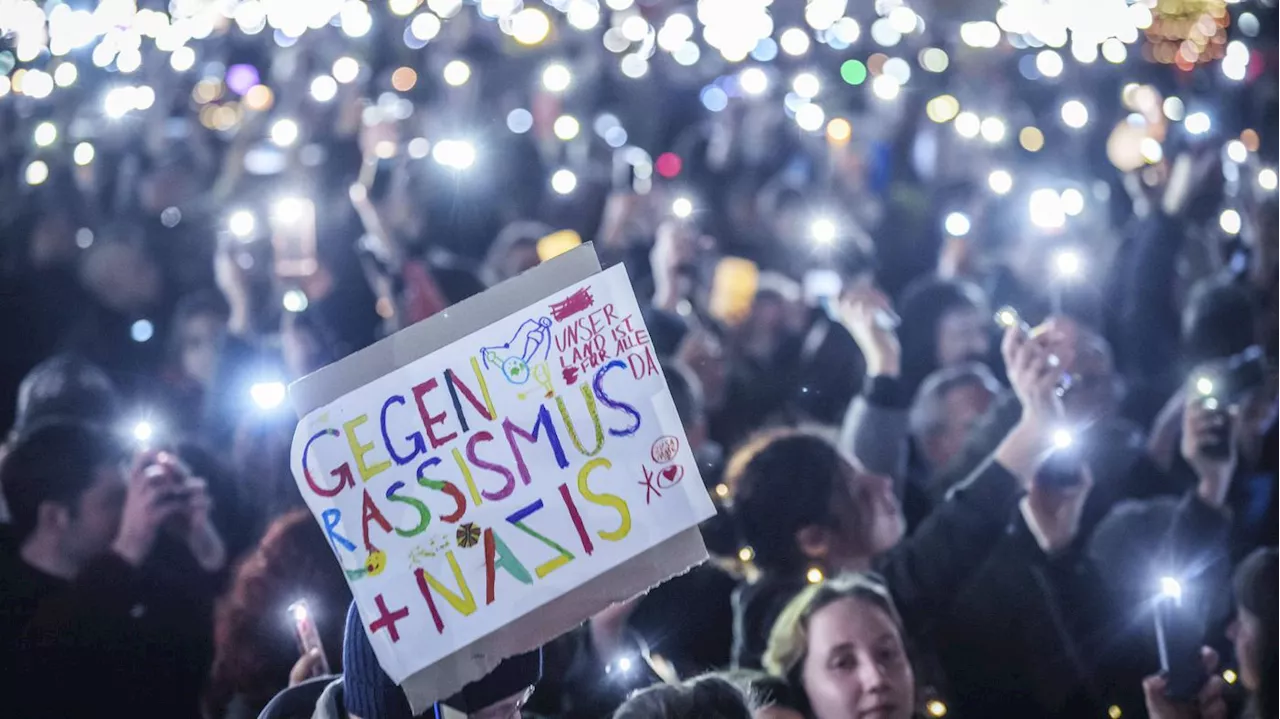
57 463
65 388
1257 585
781 481
1219 321
927 406
686 392
254 644
705 697
924 303
764 690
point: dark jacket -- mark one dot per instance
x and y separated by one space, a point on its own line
115 636
1052 641
923 572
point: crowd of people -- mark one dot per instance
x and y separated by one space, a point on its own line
963 465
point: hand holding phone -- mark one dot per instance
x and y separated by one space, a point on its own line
1179 632
312 661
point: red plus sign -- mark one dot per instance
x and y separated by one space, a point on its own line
388 619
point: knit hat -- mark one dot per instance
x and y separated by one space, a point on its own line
369 693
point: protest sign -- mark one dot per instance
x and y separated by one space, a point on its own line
486 494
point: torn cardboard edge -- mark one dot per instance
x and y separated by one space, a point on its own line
677 554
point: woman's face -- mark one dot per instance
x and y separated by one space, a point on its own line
870 516
1246 633
962 337
856 666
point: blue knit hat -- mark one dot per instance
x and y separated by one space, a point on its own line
370 694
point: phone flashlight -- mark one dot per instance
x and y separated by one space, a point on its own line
304 628
1178 639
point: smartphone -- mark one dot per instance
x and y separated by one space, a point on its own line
1179 636
293 237
822 289
1063 469
304 629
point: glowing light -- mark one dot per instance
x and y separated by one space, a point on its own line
1229 676
853 72
1114 712
556 77
1197 123
402 7
839 130
65 74
1049 63
956 224
403 79
624 664
143 431
682 207
566 127
634 28
677 30
82 154
258 98
722 490
37 84
806 85
1045 207
884 33
37 172
1072 201
993 130
564 181
355 19
242 223
1237 152
753 81
268 395
885 87
294 300
968 125
810 117
418 148
1151 150
519 121
46 133
456 154
346 70
284 132
902 19
1267 179
324 88
1230 222
1174 108
1067 265
1171 588
634 65
934 59
530 26
823 231
1000 181
1114 51
794 41
141 331
746 554
943 108
981 34
936 708
425 27
1075 114
457 72
814 575
1204 386
1062 439
1031 139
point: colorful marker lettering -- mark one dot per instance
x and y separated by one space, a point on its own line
598 385
563 556
419 445
595 422
424 513
360 450
343 472
605 500
497 554
509 486
464 603
430 420
543 421
449 488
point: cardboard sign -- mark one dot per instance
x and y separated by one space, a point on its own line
490 494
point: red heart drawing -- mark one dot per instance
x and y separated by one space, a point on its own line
672 474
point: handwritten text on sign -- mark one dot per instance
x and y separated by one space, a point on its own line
479 482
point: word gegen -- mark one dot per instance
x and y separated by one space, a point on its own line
488 453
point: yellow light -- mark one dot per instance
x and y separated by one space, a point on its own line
1031 139
722 490
1229 676
207 91
530 26
839 131
746 554
1114 712
936 708
942 108
814 575
259 97
1204 386
457 73
566 127
46 134
37 172
557 243
404 78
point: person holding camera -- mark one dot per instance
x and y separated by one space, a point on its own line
86 622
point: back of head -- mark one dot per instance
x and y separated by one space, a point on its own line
65 388
1257 589
1217 322
924 303
782 481
705 697
54 462
928 409
1126 545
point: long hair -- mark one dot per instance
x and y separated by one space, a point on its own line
1255 585
254 643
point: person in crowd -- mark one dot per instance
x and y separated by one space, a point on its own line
195 346
705 697
255 648
949 404
1255 630
772 696
841 645
806 510
944 323
1035 611
514 251
81 601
